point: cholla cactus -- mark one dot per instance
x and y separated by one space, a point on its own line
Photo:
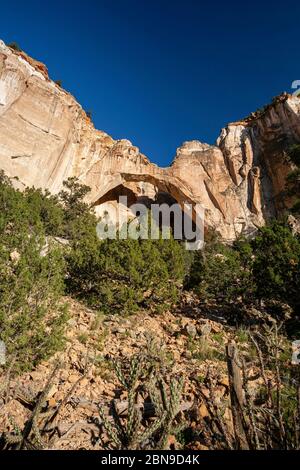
167 404
137 431
30 437
129 382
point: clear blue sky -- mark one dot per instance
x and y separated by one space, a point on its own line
160 72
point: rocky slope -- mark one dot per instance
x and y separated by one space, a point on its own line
171 339
45 137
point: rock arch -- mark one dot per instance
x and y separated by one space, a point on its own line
186 224
128 184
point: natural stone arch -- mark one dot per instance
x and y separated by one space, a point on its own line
165 183
166 186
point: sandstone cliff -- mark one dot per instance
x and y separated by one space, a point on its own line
45 137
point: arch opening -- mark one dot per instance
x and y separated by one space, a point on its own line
146 193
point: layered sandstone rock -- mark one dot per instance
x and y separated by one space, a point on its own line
45 137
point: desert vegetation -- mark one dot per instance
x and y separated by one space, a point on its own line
239 302
229 411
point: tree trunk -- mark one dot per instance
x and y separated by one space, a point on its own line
236 396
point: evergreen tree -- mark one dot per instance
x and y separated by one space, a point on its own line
31 282
276 266
266 268
218 274
125 275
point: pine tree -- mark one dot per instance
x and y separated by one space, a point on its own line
31 282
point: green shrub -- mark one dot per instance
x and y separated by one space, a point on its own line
32 316
110 275
46 209
125 275
118 275
219 274
294 154
276 265
265 268
15 46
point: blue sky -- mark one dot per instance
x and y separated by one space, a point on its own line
160 72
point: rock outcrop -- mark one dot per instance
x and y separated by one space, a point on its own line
46 136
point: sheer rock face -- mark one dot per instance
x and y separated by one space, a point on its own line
45 137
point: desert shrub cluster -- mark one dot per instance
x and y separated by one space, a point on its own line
153 413
32 314
49 246
263 272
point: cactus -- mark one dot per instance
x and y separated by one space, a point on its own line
137 431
